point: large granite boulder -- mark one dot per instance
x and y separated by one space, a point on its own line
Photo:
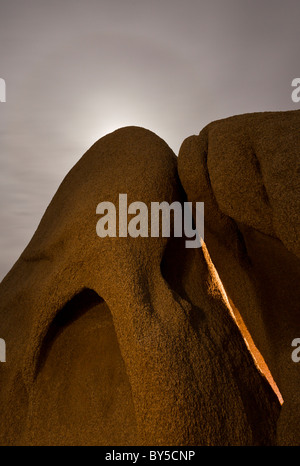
122 340
246 170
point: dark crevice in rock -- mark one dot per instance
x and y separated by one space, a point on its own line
81 303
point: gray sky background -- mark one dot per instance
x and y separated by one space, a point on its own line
76 70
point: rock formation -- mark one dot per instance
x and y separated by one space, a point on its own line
123 341
246 170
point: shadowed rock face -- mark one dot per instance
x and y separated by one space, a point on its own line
246 169
120 341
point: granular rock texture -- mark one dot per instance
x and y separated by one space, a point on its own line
123 341
246 169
